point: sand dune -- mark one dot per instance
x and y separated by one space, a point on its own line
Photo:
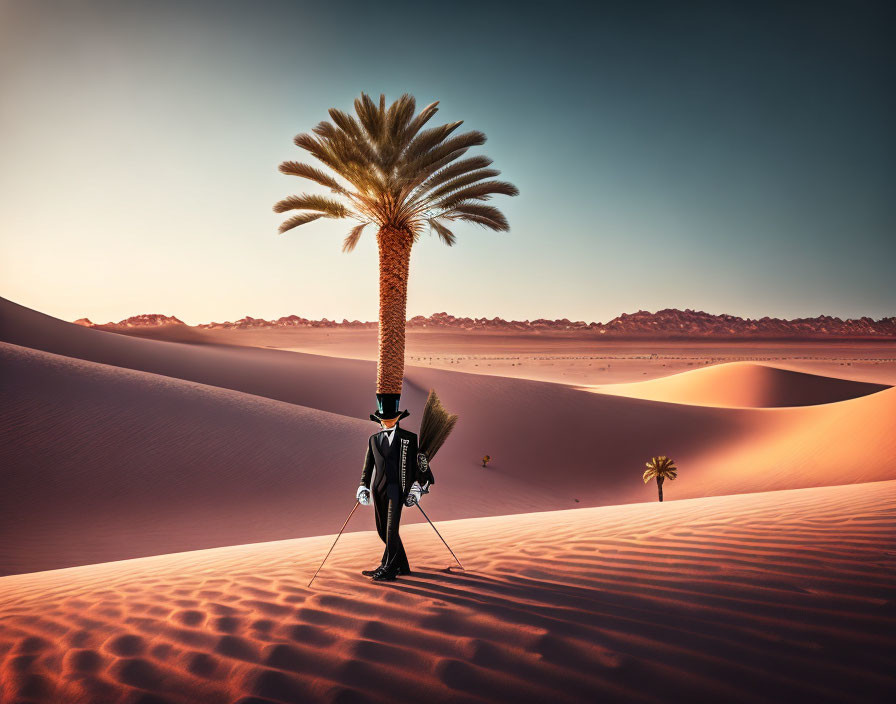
780 596
283 376
853 439
102 462
170 332
744 385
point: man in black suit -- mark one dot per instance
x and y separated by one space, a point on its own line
401 478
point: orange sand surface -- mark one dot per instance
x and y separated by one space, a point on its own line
777 596
744 385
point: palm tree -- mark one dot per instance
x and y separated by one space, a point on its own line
391 173
660 468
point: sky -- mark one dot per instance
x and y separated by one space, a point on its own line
728 157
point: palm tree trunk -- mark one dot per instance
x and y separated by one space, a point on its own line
395 256
659 486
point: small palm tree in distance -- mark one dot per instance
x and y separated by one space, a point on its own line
485 460
660 468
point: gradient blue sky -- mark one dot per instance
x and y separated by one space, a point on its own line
727 157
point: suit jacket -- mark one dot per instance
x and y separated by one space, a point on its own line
409 470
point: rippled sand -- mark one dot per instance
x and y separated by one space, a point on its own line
777 596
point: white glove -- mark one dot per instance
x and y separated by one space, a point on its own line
414 494
363 495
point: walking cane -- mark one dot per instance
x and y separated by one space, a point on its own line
357 503
439 534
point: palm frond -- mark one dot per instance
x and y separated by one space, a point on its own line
346 123
425 142
372 117
324 129
296 168
462 181
484 222
398 117
321 151
485 215
399 114
413 188
422 118
453 170
478 191
348 244
300 219
435 157
443 232
435 425
322 204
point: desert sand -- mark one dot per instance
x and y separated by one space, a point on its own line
744 385
116 447
562 357
165 501
777 596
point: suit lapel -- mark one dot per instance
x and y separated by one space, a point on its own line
375 444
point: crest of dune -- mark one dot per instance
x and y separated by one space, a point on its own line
744 385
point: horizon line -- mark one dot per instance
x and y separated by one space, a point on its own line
346 321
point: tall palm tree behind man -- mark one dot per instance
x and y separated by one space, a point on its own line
392 172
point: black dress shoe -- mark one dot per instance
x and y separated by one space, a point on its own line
370 573
384 575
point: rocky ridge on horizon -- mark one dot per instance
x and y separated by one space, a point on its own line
667 323
135 321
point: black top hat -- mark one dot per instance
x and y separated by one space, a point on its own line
387 408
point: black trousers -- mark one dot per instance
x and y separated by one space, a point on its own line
387 506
